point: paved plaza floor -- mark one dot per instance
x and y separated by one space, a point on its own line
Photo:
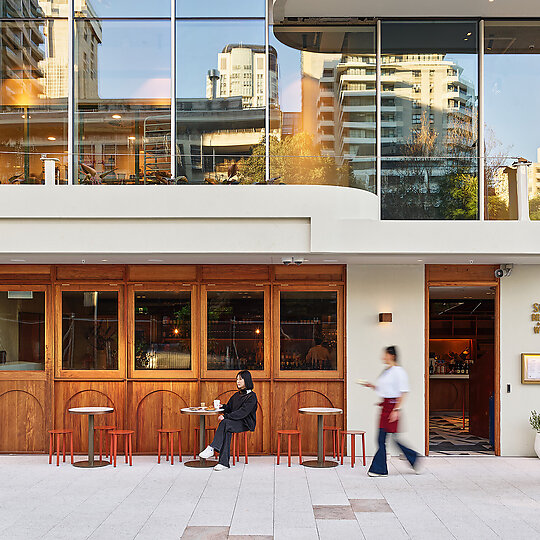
456 497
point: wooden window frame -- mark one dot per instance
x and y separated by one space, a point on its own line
180 374
308 374
41 375
237 287
91 374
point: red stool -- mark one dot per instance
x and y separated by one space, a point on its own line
211 430
353 439
59 432
170 444
335 445
126 433
290 433
100 430
236 447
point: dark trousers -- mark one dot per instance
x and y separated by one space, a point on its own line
222 438
378 465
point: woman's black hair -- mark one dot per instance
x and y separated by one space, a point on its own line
246 376
392 351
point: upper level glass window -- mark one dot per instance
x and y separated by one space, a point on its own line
89 330
34 87
32 9
22 331
220 101
163 330
429 166
308 330
218 8
235 330
512 113
122 102
122 8
326 74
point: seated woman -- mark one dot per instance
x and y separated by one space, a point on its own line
238 415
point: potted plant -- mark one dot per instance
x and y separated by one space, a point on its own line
535 423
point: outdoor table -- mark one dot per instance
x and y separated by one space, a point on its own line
90 463
321 412
202 414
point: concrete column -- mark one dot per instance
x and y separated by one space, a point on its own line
522 166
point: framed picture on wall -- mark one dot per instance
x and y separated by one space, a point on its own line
530 368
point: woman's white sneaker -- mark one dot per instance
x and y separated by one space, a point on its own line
220 467
207 453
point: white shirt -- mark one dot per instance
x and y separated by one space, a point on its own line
392 382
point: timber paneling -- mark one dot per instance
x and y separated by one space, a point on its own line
455 273
235 273
171 272
22 416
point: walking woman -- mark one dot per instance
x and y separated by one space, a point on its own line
391 386
238 415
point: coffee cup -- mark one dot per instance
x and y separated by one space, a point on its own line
217 404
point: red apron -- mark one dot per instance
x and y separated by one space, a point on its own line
387 406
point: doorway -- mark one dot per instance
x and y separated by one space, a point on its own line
462 369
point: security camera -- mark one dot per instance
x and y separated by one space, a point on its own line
83 261
287 261
505 270
298 261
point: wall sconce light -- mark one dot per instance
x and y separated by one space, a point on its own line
385 317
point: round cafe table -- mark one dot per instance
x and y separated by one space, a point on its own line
91 463
202 414
320 412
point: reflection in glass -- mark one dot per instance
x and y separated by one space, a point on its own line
90 330
163 330
122 102
429 120
22 331
511 68
235 331
122 8
33 98
220 101
308 331
218 8
323 122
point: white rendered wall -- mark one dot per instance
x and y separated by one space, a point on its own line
374 289
518 292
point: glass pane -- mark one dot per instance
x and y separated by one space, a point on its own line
25 9
90 330
218 8
122 8
220 102
163 330
22 331
122 102
308 331
512 113
235 337
33 99
429 120
323 110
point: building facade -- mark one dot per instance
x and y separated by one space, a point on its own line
194 188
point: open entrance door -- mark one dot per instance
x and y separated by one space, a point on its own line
462 366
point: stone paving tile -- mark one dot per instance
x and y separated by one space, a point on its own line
333 512
206 533
370 505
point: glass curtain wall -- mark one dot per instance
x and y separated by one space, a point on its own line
512 114
429 115
323 111
33 90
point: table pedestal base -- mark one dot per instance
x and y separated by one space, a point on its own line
86 464
316 464
201 463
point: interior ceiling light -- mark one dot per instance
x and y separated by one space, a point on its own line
51 138
132 138
117 116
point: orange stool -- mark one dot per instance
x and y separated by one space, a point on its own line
353 439
100 430
210 429
59 432
170 444
236 447
335 444
126 433
290 433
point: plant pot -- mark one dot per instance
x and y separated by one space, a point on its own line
537 444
